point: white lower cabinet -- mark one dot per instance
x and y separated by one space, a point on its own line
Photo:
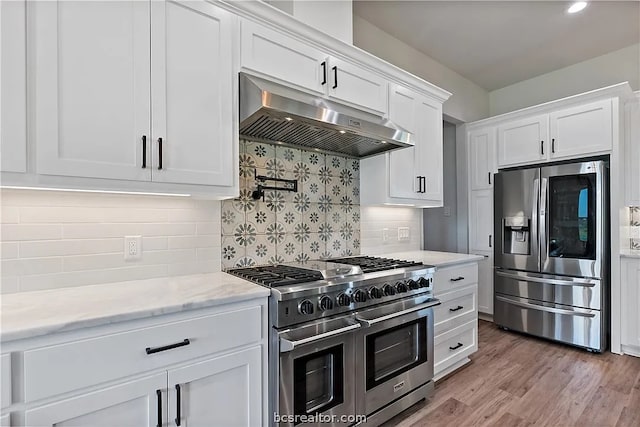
5 420
630 281
135 403
456 318
485 283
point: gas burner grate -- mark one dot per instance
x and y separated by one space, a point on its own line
370 264
277 275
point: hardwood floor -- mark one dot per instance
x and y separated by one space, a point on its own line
516 381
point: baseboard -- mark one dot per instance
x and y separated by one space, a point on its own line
631 350
485 316
451 369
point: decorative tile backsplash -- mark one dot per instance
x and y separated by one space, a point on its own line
634 223
321 220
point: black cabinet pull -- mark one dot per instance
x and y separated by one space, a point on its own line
159 395
419 190
542 147
424 184
144 151
159 153
178 416
489 174
457 279
553 145
150 350
324 72
456 309
490 241
335 76
457 346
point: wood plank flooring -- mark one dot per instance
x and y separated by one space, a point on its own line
516 381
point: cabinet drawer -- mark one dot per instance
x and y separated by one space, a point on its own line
72 366
5 380
455 345
458 307
446 279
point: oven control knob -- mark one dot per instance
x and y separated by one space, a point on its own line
359 296
423 282
388 290
305 307
343 300
325 303
413 284
375 292
401 287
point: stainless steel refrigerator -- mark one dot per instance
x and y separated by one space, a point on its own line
551 252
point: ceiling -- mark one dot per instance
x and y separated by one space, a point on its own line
498 43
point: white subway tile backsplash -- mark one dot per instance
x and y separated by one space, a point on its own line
374 219
54 239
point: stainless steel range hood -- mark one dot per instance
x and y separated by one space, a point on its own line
275 113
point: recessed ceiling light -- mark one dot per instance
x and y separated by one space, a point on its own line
343 131
577 7
288 119
384 142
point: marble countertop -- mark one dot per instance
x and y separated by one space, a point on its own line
629 253
31 314
437 259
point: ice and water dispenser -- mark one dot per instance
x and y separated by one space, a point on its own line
516 234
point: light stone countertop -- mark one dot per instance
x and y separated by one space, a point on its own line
629 253
31 314
437 259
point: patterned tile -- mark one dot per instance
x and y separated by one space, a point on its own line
353 244
301 202
337 218
232 252
288 157
313 188
275 233
262 251
336 190
260 217
314 160
231 217
336 163
261 153
289 249
314 217
315 246
289 217
336 247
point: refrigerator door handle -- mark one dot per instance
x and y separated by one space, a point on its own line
534 219
575 312
544 247
580 282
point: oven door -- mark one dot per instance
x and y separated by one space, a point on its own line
316 373
394 351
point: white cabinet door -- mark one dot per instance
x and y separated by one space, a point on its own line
482 158
485 283
277 55
13 88
481 221
5 420
632 152
225 391
630 280
131 404
91 87
581 130
403 179
523 141
352 84
429 162
192 83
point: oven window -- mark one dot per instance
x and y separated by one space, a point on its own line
318 382
396 350
572 216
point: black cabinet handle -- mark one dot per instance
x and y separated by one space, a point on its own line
456 309
178 416
424 184
553 145
335 76
419 190
542 147
144 151
457 346
457 279
159 153
324 72
150 350
490 243
159 395
489 174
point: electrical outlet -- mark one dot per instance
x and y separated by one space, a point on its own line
403 234
132 248
385 235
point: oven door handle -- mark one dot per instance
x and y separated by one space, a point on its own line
370 322
287 345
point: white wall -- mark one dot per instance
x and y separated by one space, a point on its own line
611 68
469 101
53 239
375 218
440 231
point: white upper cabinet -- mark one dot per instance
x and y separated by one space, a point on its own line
192 83
13 88
481 221
585 129
523 141
91 88
403 178
293 62
429 162
482 158
632 151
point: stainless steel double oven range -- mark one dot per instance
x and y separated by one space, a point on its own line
350 337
